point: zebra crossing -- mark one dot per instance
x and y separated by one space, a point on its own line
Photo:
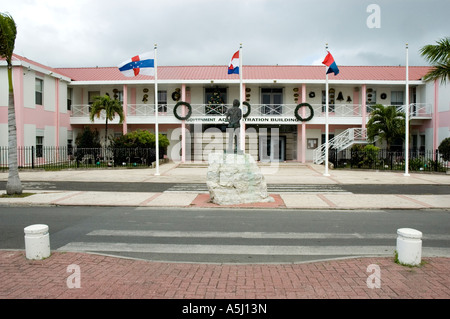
238 247
271 188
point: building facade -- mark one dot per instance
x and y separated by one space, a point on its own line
285 110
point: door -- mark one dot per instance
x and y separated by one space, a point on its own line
272 149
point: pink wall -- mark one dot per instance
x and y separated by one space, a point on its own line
37 116
18 103
444 119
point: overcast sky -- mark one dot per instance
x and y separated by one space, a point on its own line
85 33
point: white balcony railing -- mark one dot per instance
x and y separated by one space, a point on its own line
417 110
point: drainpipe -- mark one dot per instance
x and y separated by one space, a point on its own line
125 109
303 124
183 126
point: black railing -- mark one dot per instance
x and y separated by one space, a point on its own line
430 161
53 158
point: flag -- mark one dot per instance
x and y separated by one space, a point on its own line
233 67
140 64
329 62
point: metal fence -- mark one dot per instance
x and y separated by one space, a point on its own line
53 158
381 159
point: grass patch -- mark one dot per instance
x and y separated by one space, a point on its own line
397 261
16 195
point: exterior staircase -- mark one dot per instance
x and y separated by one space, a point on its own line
341 142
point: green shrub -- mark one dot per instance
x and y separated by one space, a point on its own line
357 156
140 138
137 147
444 149
88 139
415 164
370 154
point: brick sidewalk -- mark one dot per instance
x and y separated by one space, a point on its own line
107 277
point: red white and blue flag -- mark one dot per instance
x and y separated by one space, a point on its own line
143 64
331 64
233 67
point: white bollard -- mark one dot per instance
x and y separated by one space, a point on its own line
409 246
37 241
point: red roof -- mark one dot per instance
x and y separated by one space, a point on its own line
17 57
253 72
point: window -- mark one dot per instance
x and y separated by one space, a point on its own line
39 91
162 101
69 99
215 100
118 95
39 146
330 101
69 147
92 95
371 99
272 99
330 136
91 98
396 98
422 143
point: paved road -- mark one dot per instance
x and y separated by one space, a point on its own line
138 187
226 236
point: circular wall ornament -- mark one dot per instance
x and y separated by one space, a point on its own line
298 116
248 109
312 94
383 96
189 113
176 96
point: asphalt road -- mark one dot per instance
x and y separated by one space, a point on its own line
412 189
226 236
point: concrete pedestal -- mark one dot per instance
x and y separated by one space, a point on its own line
409 246
37 241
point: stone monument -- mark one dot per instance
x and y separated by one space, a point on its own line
234 177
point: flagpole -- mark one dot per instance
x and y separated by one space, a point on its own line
156 115
407 117
326 121
242 129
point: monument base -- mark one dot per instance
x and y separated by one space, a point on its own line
235 179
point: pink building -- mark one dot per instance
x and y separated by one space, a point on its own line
40 94
52 106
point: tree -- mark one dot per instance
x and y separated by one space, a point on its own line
8 32
88 139
386 122
444 149
140 139
111 108
439 57
137 146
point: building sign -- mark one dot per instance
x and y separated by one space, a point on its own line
249 120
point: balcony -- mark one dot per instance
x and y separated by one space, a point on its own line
145 113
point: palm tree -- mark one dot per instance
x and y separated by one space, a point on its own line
111 108
439 56
386 122
8 32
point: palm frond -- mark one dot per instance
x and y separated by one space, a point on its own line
8 32
440 71
439 57
439 53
